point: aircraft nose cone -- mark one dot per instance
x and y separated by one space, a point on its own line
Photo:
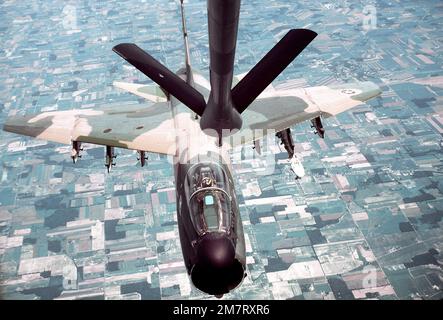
216 271
216 251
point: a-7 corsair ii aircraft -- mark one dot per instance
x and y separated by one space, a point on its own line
193 120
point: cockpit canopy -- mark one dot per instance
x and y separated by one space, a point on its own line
208 191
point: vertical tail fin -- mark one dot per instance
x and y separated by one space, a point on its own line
189 76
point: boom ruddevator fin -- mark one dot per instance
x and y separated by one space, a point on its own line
270 66
161 75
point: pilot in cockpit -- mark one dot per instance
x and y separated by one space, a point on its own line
207 179
208 201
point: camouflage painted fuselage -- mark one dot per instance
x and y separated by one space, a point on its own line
194 147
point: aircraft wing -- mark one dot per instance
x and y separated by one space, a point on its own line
150 92
281 109
141 127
